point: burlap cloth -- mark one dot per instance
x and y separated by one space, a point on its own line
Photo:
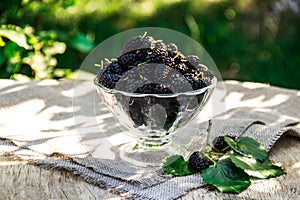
56 124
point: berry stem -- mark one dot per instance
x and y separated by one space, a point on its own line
225 148
209 158
217 154
176 56
143 36
140 64
102 64
201 75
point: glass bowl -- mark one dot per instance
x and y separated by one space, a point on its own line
152 119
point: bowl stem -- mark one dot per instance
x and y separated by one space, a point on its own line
149 151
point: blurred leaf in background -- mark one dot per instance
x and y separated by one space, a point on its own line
250 40
26 54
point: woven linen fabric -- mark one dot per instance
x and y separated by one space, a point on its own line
65 126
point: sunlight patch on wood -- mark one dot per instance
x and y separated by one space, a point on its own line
15 89
7 163
296 165
48 83
254 85
99 148
266 185
67 145
119 138
235 99
80 89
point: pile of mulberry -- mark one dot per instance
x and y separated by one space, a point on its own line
150 66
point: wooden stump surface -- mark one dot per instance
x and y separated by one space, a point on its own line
20 180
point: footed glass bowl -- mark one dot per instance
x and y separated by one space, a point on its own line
152 119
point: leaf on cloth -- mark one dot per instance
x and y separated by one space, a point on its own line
232 170
256 168
226 177
248 147
176 165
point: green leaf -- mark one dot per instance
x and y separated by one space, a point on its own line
12 50
2 57
176 165
68 3
12 67
56 48
256 168
226 177
81 43
247 147
15 34
47 35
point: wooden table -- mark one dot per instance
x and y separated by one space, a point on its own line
25 181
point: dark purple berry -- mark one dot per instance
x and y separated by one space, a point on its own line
139 107
153 88
160 45
219 142
198 83
114 68
182 68
127 59
154 56
139 42
172 47
198 161
194 60
108 80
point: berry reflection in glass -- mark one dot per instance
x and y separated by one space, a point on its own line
153 89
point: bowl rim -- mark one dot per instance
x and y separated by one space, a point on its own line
131 94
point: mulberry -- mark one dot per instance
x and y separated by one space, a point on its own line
127 59
153 88
108 80
198 161
172 47
138 42
194 60
139 107
219 142
160 45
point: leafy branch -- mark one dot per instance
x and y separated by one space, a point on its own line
232 166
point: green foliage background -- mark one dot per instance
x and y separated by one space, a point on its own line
250 40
